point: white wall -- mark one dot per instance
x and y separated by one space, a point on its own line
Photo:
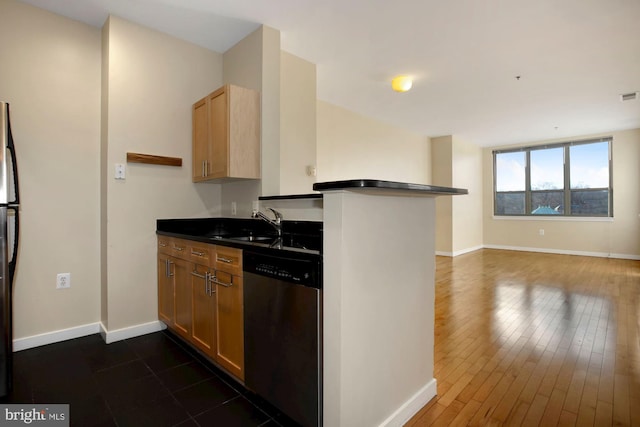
379 316
50 75
352 146
153 79
617 238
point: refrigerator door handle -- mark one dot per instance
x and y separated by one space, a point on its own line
14 163
16 240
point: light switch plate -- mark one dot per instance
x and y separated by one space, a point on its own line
120 171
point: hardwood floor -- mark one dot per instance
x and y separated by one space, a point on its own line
535 339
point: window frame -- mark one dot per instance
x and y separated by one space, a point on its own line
567 190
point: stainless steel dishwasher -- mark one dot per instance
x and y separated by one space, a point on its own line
283 333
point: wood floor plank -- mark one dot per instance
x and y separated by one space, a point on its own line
535 339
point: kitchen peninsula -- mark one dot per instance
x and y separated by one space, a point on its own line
378 294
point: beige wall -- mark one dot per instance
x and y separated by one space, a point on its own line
50 75
153 79
617 238
457 163
467 209
297 124
254 63
352 146
442 175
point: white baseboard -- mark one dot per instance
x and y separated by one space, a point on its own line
467 250
55 336
460 252
412 406
442 253
20 344
564 252
131 331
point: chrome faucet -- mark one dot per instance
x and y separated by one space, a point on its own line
275 223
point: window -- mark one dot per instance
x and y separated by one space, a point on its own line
570 179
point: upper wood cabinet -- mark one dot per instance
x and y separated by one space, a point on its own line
226 135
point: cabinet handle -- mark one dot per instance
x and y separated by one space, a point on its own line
226 285
162 245
209 288
202 276
203 171
206 168
177 248
196 253
167 264
227 260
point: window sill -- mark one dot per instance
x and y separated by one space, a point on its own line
555 218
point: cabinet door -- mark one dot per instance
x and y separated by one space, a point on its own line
183 297
230 323
200 129
165 290
204 307
219 137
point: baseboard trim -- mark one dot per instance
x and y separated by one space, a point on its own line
412 406
442 253
564 252
460 252
131 331
467 250
55 336
26 343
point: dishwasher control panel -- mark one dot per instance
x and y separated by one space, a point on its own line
299 271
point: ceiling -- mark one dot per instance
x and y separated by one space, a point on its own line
492 72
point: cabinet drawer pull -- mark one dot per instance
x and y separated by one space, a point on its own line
227 260
167 268
226 285
202 276
208 287
196 253
162 245
177 248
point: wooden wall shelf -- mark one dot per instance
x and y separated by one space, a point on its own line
153 160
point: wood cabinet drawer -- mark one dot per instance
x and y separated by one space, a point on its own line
201 253
164 245
228 260
179 248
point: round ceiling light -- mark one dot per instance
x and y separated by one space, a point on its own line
401 83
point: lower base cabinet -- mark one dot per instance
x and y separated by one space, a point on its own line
204 310
230 323
200 299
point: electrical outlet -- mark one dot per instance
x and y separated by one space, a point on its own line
63 281
234 208
541 232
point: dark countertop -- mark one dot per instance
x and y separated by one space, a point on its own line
299 238
376 184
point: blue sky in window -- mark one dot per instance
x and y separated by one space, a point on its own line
589 168
590 165
547 169
510 171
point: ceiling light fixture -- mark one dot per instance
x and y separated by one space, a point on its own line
401 83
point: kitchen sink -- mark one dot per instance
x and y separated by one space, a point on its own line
252 238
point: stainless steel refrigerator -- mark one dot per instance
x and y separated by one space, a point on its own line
9 225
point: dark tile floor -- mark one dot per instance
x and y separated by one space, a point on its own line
151 380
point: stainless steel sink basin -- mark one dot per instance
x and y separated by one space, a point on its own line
252 238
